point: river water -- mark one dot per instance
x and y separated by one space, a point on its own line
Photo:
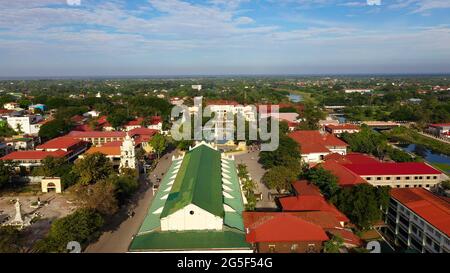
429 156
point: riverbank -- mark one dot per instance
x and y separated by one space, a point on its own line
406 135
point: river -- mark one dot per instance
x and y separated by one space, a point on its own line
439 160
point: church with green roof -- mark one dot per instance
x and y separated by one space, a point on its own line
198 207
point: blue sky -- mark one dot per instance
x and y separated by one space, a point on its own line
175 37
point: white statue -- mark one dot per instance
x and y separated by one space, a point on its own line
18 218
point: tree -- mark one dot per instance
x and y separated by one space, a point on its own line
158 143
312 115
445 185
7 170
279 178
93 168
118 118
125 185
288 152
9 239
324 180
367 141
361 204
52 167
184 145
333 245
82 226
55 128
5 130
19 128
99 197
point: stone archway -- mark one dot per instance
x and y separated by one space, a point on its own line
51 183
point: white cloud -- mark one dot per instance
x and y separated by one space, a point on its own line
74 2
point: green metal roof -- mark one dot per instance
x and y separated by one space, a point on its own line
152 220
197 240
198 182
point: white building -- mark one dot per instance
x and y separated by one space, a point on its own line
360 91
418 220
197 87
92 114
27 125
128 153
11 105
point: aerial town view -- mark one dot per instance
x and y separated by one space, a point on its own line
211 126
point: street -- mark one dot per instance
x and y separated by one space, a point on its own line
256 172
122 228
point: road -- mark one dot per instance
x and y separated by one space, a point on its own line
256 172
122 228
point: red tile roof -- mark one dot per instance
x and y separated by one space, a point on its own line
315 142
345 126
280 227
222 102
348 236
77 118
440 125
96 134
406 168
106 150
60 143
304 187
33 155
83 128
142 132
433 209
113 144
345 176
308 198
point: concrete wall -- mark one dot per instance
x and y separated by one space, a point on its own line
191 217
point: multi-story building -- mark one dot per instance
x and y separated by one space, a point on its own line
26 124
32 159
74 147
398 175
419 220
62 147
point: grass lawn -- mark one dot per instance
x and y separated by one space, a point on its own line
442 166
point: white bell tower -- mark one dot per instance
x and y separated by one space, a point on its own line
128 153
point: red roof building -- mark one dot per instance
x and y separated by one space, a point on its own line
72 146
337 129
61 143
309 198
282 233
431 208
314 145
406 168
31 159
346 178
418 219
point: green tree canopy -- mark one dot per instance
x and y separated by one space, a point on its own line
159 144
280 178
82 226
362 204
288 152
324 180
93 168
